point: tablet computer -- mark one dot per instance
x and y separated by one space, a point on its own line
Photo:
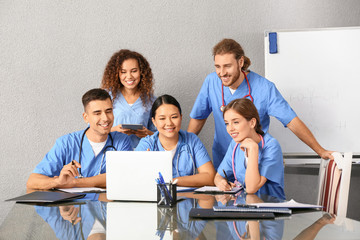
132 126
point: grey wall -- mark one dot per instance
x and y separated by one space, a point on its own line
53 51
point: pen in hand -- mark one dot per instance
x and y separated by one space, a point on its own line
227 179
73 163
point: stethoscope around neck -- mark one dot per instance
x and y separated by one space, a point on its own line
182 145
245 164
104 151
247 95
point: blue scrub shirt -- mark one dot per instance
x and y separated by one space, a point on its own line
67 148
189 148
271 166
64 229
267 100
135 114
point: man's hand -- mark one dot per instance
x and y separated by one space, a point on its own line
69 213
68 174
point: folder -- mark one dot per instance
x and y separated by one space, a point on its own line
46 197
211 214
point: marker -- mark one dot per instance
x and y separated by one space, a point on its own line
227 180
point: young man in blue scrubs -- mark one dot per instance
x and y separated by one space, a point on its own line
62 167
233 80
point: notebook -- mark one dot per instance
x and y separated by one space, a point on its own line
211 214
246 209
130 175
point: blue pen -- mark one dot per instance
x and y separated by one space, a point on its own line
166 189
161 191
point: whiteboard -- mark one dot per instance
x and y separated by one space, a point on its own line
318 72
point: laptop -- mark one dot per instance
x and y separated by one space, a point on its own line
130 175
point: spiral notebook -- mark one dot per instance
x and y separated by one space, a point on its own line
202 213
246 209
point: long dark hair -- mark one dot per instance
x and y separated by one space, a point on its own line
164 99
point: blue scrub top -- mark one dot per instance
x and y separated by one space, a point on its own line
67 148
268 229
64 229
271 166
267 99
188 229
189 148
135 114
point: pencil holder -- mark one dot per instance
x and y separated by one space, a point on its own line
166 221
166 195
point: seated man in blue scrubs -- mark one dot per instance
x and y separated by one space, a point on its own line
78 159
233 80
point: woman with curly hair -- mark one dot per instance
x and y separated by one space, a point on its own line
128 79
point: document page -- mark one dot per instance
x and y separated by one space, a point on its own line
83 190
213 189
287 204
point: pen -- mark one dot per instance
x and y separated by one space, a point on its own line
73 163
227 180
166 189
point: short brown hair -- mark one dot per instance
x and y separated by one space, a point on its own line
247 109
231 46
94 94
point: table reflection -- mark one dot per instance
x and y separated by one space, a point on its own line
94 218
83 219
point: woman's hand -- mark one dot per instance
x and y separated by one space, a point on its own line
143 132
222 184
119 128
249 144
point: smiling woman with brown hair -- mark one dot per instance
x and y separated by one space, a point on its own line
128 79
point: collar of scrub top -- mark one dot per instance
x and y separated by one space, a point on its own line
247 95
233 158
181 146
105 149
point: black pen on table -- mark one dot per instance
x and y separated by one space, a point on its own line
226 177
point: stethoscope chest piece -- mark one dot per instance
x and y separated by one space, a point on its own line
222 108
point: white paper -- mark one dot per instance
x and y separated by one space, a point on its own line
185 189
288 204
216 189
82 190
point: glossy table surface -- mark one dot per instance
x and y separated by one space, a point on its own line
96 218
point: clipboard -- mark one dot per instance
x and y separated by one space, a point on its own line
46 197
211 214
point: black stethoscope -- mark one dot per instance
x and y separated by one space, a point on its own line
237 183
247 95
105 149
182 144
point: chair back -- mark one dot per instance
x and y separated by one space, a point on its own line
334 183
